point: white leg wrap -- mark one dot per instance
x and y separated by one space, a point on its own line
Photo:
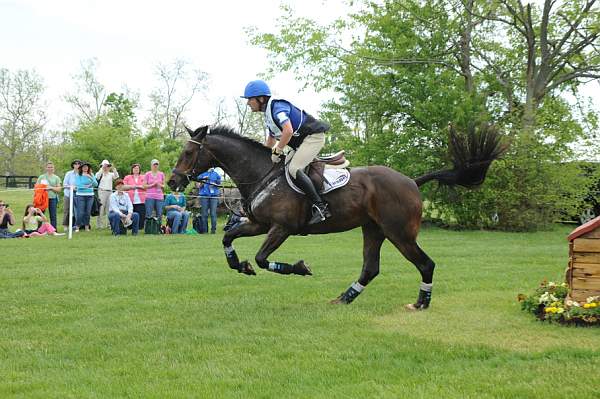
358 286
426 287
228 250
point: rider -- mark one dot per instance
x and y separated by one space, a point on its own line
289 125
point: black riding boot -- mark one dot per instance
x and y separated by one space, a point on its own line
319 208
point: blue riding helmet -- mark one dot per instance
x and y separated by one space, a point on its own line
256 88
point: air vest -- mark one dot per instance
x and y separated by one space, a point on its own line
306 126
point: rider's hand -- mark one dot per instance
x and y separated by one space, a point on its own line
276 154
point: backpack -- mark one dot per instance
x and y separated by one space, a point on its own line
96 204
198 224
151 226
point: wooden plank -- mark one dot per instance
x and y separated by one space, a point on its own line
586 257
592 269
582 295
585 283
583 274
592 234
586 245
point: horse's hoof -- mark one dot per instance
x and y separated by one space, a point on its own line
246 268
413 307
300 268
339 301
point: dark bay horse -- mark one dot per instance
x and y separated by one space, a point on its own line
383 202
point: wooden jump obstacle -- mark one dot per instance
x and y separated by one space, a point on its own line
583 273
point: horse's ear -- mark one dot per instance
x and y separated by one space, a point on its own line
201 132
190 131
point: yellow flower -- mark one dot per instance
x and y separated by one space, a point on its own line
550 309
590 305
560 310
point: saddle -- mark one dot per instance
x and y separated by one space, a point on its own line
327 173
316 169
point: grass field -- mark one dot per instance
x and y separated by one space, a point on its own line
164 317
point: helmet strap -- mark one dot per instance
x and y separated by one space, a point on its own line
263 100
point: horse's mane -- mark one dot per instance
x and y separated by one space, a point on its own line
226 131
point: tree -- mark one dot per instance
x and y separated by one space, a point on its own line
89 94
177 87
22 115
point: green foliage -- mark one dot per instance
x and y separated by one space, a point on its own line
113 136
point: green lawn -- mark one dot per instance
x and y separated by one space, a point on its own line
163 316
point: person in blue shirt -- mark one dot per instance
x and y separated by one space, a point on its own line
120 211
176 214
85 182
209 192
291 126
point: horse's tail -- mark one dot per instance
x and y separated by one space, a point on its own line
472 155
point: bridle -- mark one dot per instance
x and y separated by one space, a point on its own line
191 175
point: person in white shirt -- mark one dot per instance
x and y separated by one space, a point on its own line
121 211
105 177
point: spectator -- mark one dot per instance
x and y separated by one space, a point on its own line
7 218
209 197
121 211
53 182
176 213
35 223
84 196
69 181
105 177
137 193
154 183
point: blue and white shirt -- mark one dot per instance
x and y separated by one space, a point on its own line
278 112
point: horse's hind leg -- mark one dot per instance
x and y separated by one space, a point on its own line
275 237
372 239
424 264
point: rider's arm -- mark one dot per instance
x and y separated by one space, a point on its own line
270 141
286 135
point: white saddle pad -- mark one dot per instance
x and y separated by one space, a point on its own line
333 179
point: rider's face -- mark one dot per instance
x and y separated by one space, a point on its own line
254 104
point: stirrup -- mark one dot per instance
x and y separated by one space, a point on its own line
320 212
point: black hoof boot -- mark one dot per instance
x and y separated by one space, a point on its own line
246 268
348 296
422 301
300 268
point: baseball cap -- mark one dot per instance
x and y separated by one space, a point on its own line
154 161
105 162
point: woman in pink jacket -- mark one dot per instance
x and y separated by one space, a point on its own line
134 183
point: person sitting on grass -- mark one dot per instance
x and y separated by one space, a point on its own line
176 213
121 211
35 223
7 218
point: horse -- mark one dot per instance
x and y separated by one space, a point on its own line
385 203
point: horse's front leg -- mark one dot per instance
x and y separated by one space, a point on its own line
246 229
276 236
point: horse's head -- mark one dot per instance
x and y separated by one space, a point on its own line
194 159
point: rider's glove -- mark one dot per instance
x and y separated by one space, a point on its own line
276 154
